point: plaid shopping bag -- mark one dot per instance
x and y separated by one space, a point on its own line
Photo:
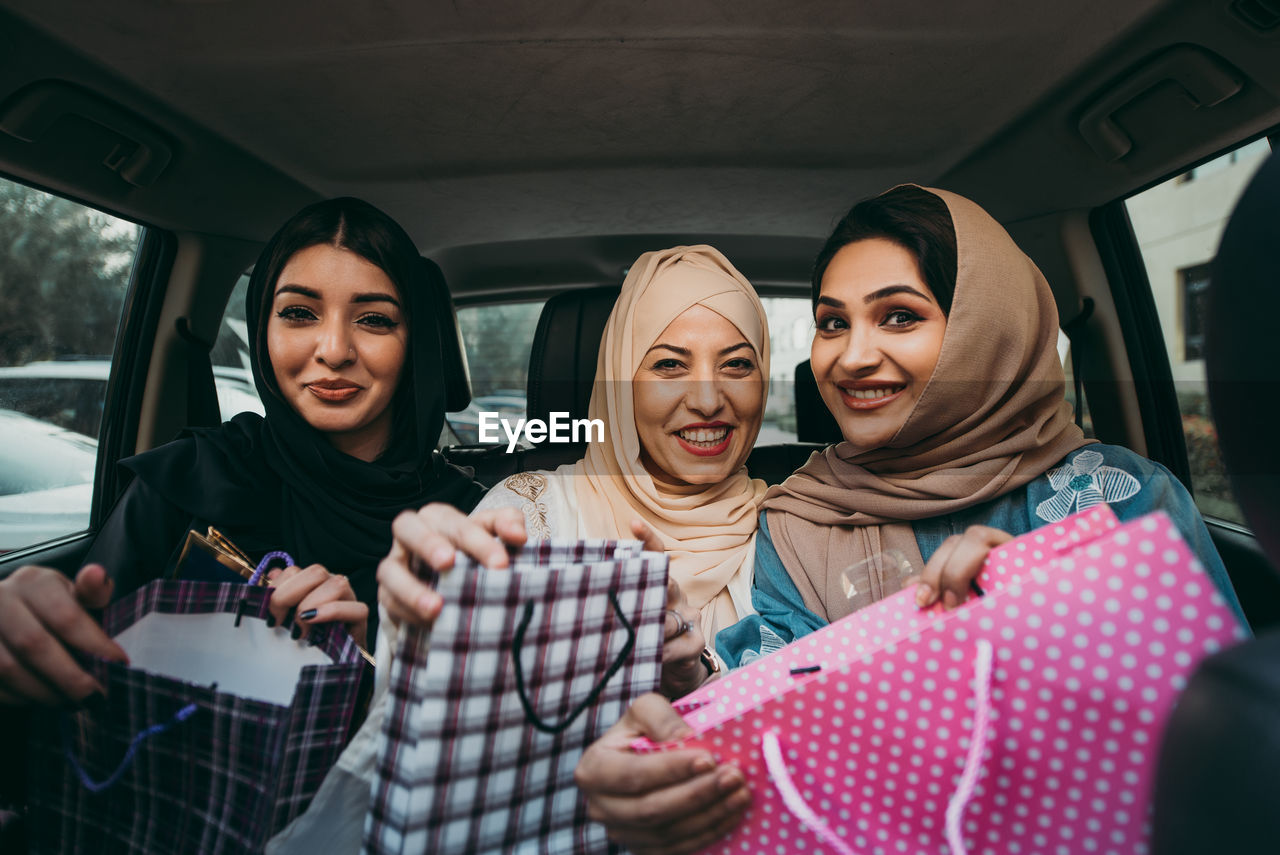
526 668
1027 720
167 765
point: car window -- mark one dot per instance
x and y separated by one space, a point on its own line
64 273
232 374
1178 225
790 335
498 338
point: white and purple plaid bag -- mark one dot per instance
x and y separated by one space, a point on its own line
526 668
169 766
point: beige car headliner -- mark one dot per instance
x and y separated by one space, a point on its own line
480 121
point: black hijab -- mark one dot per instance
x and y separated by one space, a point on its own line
278 483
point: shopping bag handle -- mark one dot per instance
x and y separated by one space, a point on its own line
517 646
791 797
265 564
800 809
155 729
977 744
256 579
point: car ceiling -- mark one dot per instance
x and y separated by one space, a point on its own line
486 125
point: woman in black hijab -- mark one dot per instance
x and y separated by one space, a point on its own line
346 355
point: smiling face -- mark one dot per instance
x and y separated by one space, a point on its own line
879 333
337 339
698 397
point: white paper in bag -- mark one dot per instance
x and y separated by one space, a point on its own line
251 660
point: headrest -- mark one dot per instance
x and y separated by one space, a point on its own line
566 346
457 378
814 422
1242 354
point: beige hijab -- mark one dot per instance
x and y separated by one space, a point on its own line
991 419
708 530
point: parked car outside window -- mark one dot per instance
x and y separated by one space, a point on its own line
46 480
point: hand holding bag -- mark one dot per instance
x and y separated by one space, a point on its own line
1026 720
215 736
525 668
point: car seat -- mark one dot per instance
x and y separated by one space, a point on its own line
562 368
816 428
1216 781
453 358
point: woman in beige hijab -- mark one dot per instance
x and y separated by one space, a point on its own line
680 387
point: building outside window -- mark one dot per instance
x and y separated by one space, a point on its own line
1195 286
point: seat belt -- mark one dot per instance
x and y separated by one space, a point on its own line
1073 328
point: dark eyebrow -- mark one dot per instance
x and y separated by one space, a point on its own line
312 294
890 290
309 293
731 348
376 297
680 350
887 291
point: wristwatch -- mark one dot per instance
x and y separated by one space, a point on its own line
711 661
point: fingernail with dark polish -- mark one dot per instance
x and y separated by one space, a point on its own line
271 619
307 615
296 632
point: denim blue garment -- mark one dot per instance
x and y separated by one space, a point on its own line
1130 483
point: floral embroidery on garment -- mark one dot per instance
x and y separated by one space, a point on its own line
1083 483
770 642
530 486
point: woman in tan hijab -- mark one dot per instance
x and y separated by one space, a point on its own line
680 387
936 350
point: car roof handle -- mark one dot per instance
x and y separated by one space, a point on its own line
140 158
1206 78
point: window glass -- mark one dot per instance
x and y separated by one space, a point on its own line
1178 225
790 334
64 272
498 338
232 375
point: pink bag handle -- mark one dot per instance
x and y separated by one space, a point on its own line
791 795
977 745
800 809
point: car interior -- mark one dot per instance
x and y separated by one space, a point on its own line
533 151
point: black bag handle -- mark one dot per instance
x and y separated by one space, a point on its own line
517 646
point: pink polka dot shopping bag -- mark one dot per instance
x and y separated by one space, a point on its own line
1026 721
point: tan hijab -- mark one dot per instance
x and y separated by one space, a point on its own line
708 530
991 419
